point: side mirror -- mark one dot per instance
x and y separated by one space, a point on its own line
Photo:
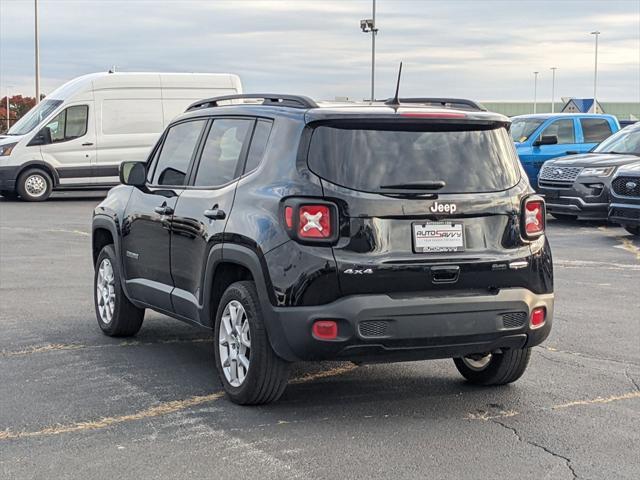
133 173
546 140
43 137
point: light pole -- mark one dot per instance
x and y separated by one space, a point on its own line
369 25
535 91
8 111
37 51
553 89
595 74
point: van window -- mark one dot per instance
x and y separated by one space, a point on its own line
222 152
595 130
467 159
562 129
36 115
131 116
69 124
176 153
258 144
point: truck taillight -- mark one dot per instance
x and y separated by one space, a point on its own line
533 218
314 221
310 221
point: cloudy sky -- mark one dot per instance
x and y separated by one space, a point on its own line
485 50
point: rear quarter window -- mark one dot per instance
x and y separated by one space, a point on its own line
467 160
595 130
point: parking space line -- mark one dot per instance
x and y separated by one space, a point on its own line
50 230
56 347
159 410
487 416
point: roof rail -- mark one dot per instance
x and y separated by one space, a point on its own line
461 103
271 99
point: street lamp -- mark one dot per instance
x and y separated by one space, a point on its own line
8 111
369 25
535 91
37 52
553 89
595 74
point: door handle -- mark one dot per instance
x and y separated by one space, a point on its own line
163 210
215 214
445 274
87 144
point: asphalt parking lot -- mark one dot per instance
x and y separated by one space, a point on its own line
77 404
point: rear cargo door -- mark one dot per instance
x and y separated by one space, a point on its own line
424 206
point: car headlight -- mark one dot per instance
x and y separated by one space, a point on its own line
5 150
597 172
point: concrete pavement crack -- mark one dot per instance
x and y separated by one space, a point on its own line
520 438
632 380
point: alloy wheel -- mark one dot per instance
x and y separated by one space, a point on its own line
234 343
105 291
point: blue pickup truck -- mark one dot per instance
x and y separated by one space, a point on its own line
540 137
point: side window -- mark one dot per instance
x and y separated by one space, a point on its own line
69 124
258 144
222 151
563 129
595 130
176 152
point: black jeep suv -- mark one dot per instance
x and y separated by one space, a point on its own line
370 233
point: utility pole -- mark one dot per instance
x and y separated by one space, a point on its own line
535 91
8 114
595 75
369 25
553 89
37 50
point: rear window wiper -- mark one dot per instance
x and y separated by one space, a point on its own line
430 185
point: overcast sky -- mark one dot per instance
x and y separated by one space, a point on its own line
486 50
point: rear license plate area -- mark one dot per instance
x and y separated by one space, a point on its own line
434 237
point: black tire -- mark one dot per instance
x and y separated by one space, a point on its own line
633 230
9 194
503 368
36 176
564 217
126 319
266 377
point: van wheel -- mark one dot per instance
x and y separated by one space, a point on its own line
9 194
249 369
34 185
117 316
494 368
633 230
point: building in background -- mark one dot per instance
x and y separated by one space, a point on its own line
581 105
622 110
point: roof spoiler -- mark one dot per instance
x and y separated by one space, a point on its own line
458 103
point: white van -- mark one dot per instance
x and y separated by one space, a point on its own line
79 134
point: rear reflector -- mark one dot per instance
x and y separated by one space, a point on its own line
314 221
538 317
534 212
288 217
432 115
325 330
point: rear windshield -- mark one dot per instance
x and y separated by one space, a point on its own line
366 159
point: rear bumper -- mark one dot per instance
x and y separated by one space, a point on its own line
584 202
378 328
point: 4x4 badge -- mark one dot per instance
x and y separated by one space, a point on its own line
443 207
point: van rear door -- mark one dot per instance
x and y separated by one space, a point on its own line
423 205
